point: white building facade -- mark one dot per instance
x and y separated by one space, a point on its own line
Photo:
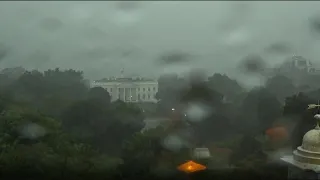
129 89
293 66
299 64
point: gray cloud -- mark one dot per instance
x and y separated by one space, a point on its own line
102 37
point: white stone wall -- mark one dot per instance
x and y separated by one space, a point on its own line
130 91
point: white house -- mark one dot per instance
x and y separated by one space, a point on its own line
129 89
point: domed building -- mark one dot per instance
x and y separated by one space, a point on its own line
304 163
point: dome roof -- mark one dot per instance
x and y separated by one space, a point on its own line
309 151
311 140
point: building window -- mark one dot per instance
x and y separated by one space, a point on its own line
149 89
138 96
144 89
302 63
143 96
148 96
312 70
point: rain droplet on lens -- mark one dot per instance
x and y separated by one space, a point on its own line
173 143
96 53
3 51
51 24
277 48
95 33
315 23
127 5
32 131
174 57
196 112
253 64
197 76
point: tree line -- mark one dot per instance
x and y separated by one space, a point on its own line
52 121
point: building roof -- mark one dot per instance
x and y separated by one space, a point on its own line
125 79
307 156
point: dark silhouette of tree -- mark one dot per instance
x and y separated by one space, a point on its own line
248 152
259 110
50 91
105 127
201 92
296 109
100 95
281 86
224 85
169 88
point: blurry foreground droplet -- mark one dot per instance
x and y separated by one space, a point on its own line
51 24
181 69
196 76
33 131
3 51
174 57
237 38
315 24
278 48
127 5
126 18
277 133
173 143
253 64
197 112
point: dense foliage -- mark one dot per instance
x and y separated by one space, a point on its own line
51 121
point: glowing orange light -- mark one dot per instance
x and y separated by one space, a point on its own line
190 167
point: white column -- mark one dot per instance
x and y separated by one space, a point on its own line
130 95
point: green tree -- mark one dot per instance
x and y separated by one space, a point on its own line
145 152
201 92
33 142
224 85
99 94
296 109
104 127
248 154
281 86
50 91
170 87
259 110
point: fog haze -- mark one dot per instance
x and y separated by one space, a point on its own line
100 38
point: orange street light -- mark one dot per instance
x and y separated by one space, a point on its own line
190 167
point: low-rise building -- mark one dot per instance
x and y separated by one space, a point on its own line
14 72
129 89
294 66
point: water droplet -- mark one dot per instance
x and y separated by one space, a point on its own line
173 143
197 112
33 131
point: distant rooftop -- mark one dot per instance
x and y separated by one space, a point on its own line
125 79
13 70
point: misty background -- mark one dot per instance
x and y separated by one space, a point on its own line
101 38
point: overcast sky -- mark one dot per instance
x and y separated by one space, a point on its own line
102 37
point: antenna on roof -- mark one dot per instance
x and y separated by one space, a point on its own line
317 116
122 73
